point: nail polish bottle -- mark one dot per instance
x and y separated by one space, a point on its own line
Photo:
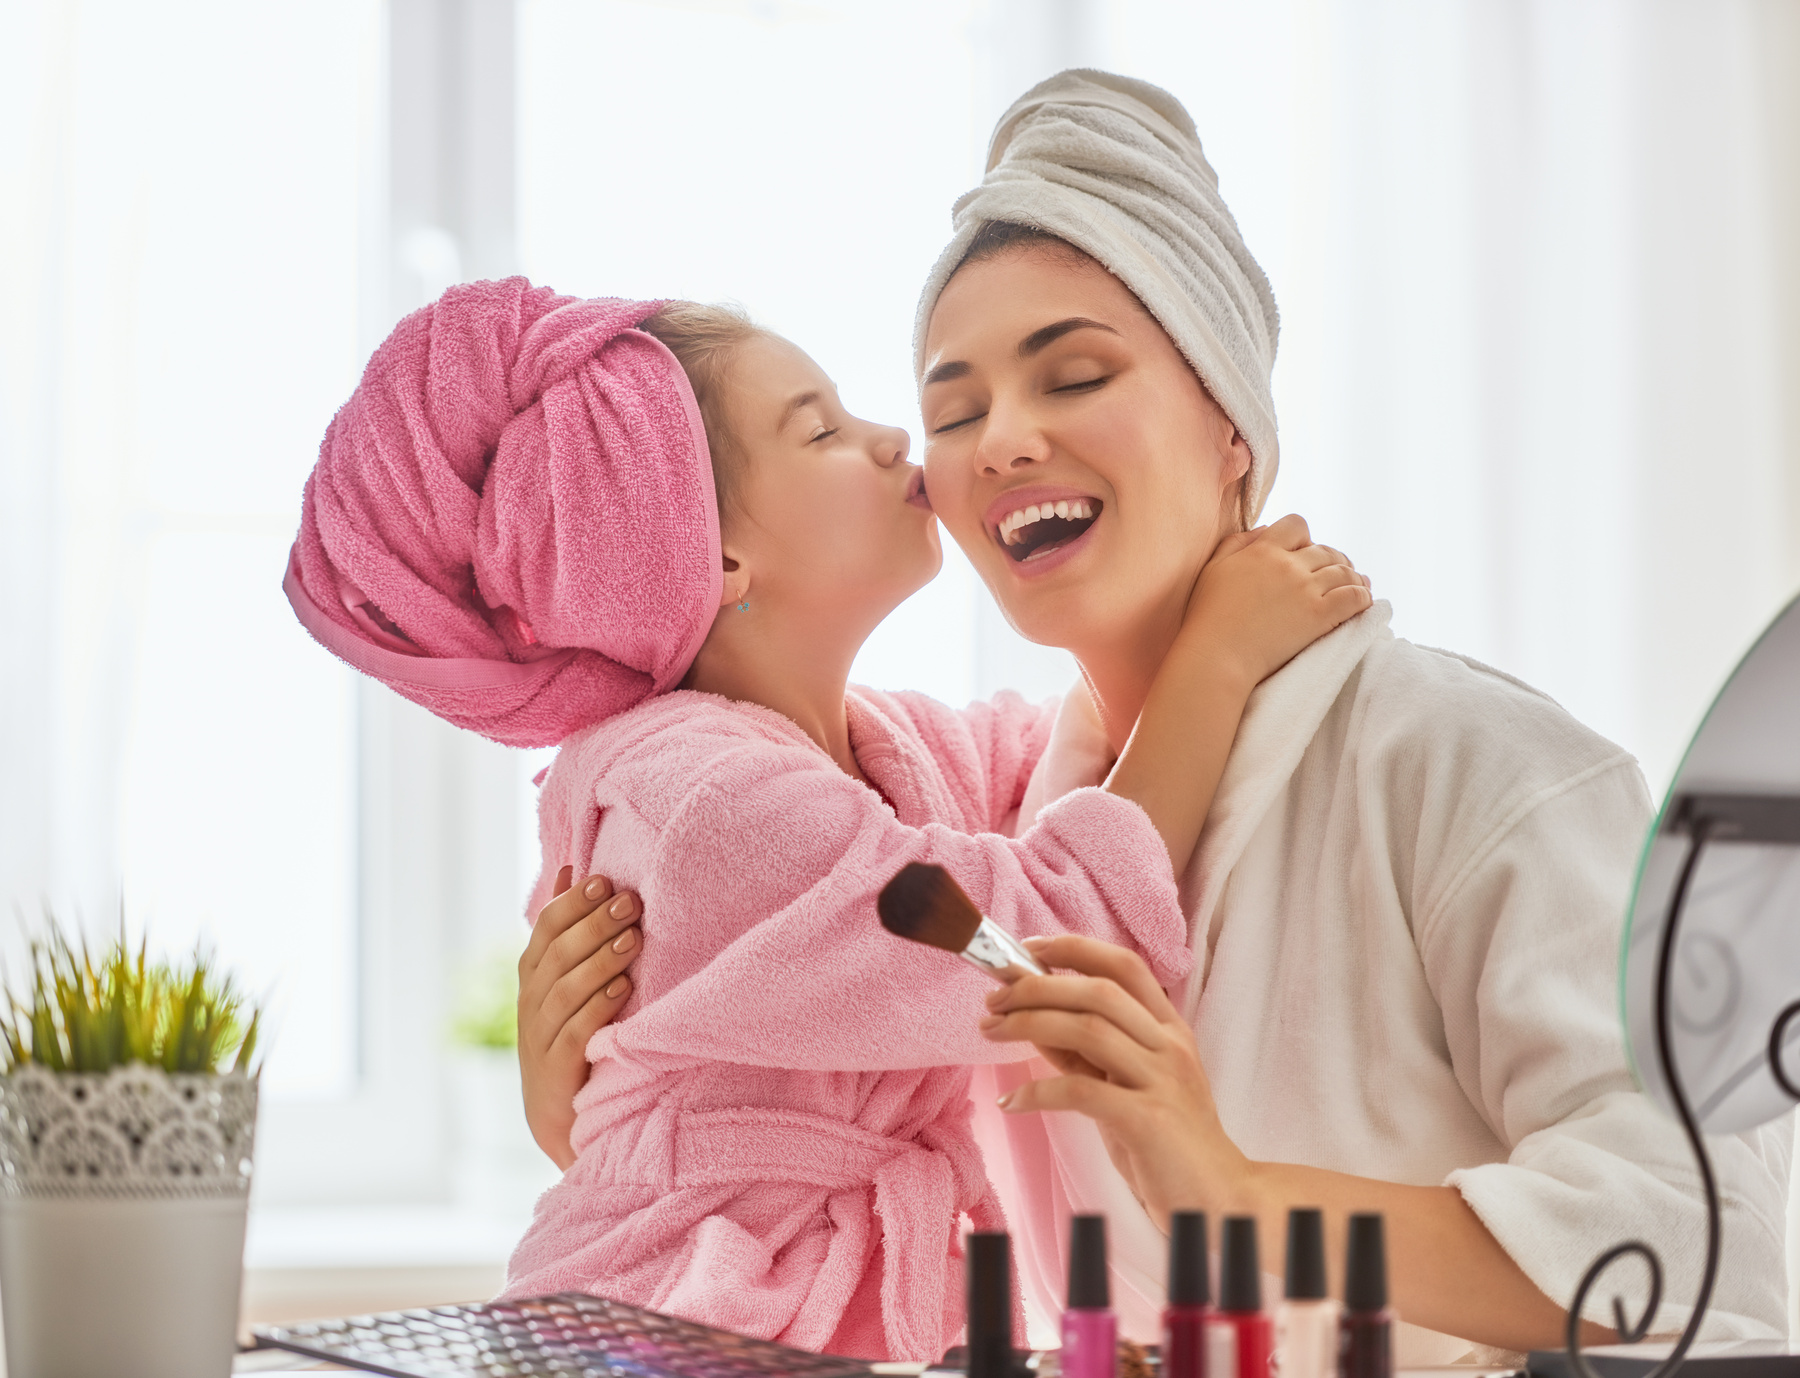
989 1272
1190 1298
1240 1340
1366 1331
1090 1331
1306 1324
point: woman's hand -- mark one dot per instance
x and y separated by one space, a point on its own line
1268 594
571 984
1130 1063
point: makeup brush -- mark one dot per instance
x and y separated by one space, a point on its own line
923 904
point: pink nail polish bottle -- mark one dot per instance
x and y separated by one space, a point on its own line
1090 1331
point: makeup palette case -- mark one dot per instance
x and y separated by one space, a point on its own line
570 1334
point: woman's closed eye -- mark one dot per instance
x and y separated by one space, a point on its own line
1084 384
949 426
823 433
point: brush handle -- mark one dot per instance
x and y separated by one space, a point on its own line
999 954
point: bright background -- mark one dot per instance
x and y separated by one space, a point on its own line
1538 374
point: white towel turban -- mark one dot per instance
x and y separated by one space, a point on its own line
1114 167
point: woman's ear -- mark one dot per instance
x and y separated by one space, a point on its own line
1238 455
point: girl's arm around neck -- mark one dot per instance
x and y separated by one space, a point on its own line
1263 598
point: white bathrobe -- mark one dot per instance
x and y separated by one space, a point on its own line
1406 909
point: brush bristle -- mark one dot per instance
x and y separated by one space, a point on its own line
924 904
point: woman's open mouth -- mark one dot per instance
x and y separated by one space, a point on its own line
1038 530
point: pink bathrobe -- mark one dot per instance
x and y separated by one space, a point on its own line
776 1139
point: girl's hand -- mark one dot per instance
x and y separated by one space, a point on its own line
1268 594
1129 1063
571 984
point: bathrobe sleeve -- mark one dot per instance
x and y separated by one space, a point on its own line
990 748
1518 924
762 943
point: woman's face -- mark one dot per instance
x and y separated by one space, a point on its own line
1071 450
830 519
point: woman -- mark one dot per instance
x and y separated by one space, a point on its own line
1406 903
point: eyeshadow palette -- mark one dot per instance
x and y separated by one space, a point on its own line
571 1335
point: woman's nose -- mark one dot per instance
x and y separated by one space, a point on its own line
1009 442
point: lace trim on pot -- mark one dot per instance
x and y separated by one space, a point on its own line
135 1131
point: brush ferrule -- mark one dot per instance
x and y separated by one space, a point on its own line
999 954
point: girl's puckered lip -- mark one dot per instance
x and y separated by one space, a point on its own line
915 489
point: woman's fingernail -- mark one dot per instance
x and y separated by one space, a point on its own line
617 988
1006 1100
995 996
1036 941
625 941
593 889
620 908
990 1021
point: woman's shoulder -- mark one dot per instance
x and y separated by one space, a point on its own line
1473 747
1420 698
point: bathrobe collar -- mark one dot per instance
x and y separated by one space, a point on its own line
1279 723
1283 714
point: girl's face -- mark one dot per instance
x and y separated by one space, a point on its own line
830 519
1071 450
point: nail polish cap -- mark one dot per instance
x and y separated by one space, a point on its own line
1365 1265
989 1270
1240 1275
1306 1254
1088 1286
1190 1283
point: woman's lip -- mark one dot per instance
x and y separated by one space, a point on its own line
1044 564
1032 495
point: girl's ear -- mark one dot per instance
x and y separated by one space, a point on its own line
736 587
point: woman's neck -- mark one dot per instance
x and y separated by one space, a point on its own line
1119 672
799 676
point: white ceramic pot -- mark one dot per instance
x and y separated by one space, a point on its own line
123 1198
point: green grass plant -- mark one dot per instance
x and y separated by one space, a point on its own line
82 1011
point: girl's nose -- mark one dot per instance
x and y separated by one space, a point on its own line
891 446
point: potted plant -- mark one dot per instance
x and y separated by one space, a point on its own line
127 1116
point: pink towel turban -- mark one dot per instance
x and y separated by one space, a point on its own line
512 521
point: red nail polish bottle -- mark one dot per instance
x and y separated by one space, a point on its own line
1240 1339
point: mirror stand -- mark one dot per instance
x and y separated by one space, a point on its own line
1703 818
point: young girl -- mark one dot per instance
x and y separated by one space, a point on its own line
515 522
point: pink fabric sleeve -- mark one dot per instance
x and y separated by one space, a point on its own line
997 745
769 948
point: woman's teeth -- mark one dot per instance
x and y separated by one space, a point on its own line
1012 528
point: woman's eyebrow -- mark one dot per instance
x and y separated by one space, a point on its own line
1045 336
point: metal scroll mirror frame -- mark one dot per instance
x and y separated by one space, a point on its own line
1710 970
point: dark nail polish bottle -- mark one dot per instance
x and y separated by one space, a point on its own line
1366 1329
1190 1298
989 1270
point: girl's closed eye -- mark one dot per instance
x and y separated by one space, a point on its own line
821 434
